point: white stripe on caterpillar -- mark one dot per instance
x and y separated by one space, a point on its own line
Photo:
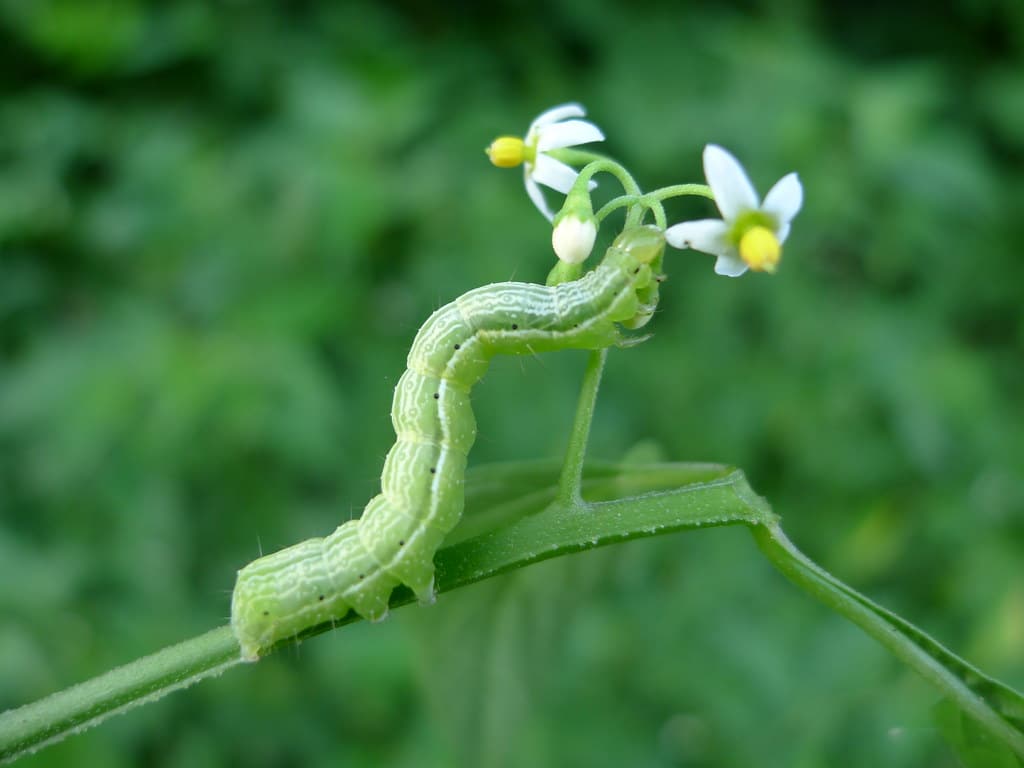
421 498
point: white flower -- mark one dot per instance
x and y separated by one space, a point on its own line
750 234
551 130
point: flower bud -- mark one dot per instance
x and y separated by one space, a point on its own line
573 238
575 227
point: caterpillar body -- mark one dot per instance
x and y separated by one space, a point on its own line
421 499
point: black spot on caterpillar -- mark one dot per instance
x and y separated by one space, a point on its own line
358 566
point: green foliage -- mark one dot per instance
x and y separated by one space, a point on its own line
220 227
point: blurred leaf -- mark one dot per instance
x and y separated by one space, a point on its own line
973 745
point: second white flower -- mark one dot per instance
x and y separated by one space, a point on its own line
750 233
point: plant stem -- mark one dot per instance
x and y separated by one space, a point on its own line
572 471
82 706
629 185
613 205
679 190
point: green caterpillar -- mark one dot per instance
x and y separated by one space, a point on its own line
358 566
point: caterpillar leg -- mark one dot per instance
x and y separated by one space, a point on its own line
625 342
356 576
403 545
429 595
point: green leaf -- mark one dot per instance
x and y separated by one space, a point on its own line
994 707
975 746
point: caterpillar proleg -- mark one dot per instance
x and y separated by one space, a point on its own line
358 565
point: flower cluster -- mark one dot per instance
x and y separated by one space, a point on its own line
749 234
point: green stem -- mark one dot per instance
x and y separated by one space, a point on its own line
637 206
652 200
629 185
681 190
613 205
82 706
572 471
938 665
658 210
577 157
636 210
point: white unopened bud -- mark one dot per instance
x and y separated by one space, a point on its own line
573 238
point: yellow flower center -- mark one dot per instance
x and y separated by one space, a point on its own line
507 151
760 249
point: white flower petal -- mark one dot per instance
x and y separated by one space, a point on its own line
734 193
553 173
730 266
537 195
782 233
783 201
706 235
568 134
553 115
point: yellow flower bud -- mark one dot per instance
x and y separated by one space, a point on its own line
760 249
507 151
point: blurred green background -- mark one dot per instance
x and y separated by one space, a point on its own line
221 225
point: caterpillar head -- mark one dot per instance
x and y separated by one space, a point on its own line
641 249
254 618
644 244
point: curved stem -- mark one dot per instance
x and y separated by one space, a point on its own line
636 210
656 208
629 185
681 190
652 200
613 205
637 205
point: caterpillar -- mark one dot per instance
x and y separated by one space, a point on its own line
356 567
